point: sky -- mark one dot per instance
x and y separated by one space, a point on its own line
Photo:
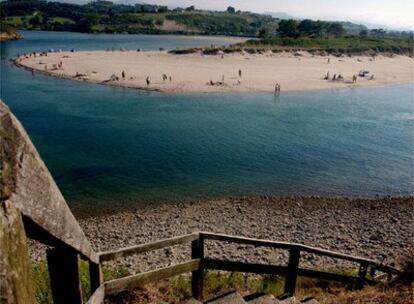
397 14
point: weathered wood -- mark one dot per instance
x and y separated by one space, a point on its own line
95 275
197 276
362 274
135 281
245 240
98 296
244 267
16 282
64 275
33 191
124 252
286 245
322 275
292 272
333 254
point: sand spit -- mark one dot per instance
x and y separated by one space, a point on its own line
220 73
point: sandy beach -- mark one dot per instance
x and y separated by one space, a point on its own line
194 72
378 228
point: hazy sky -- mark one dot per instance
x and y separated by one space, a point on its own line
392 13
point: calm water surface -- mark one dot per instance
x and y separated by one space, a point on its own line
109 145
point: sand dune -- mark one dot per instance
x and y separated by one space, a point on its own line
193 73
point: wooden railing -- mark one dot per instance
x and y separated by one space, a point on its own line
199 263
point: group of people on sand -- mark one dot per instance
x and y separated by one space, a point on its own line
340 77
114 77
212 83
334 77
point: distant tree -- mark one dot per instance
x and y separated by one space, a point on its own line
163 9
35 20
231 10
377 32
288 28
311 28
336 29
93 18
190 8
111 13
2 13
264 32
84 25
363 33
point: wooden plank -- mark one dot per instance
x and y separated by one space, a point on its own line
16 281
292 272
95 275
322 275
31 189
245 240
197 276
64 275
286 245
362 274
244 267
135 281
98 297
277 270
124 252
333 254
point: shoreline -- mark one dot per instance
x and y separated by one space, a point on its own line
145 89
190 73
5 36
379 228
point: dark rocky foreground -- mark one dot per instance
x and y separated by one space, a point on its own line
378 228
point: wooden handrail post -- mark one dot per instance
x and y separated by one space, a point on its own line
197 276
292 272
64 275
95 275
362 273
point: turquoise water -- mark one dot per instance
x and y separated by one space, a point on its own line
107 146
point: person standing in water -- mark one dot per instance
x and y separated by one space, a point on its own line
240 73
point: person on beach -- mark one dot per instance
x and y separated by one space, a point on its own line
123 75
148 81
170 79
240 73
334 77
354 78
222 78
329 60
277 88
164 77
45 67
